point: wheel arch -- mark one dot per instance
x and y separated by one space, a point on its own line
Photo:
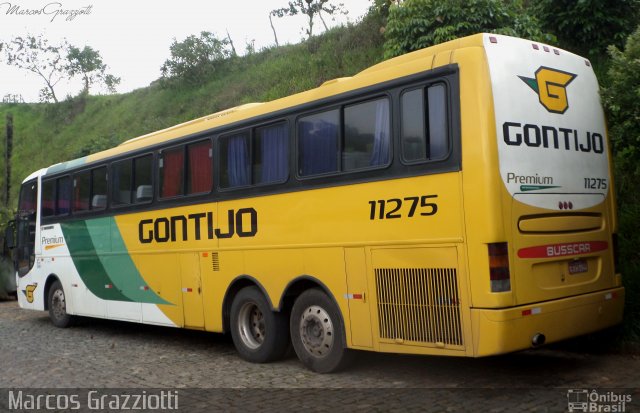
234 287
51 278
301 284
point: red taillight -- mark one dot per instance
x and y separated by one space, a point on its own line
499 267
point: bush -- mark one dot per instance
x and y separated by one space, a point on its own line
194 59
415 24
587 27
622 103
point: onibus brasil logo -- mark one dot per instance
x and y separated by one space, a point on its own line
551 87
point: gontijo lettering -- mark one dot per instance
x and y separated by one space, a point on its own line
242 223
550 137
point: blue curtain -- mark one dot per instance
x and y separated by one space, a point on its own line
381 138
238 167
318 147
274 145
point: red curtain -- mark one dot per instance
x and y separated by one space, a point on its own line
172 169
200 168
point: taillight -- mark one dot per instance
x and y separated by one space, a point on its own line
499 267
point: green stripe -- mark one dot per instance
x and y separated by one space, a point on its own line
526 188
100 254
85 258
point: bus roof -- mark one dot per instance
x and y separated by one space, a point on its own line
400 66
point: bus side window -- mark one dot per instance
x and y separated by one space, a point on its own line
121 182
424 129
48 207
270 154
367 130
81 191
99 188
142 182
63 198
199 168
235 160
318 143
171 168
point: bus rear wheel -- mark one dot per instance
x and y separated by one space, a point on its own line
57 304
317 332
259 334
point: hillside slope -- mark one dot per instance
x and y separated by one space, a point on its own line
45 134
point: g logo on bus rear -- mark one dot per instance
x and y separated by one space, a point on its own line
551 87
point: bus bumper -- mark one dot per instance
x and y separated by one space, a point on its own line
505 330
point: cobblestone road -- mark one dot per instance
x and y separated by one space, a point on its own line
107 354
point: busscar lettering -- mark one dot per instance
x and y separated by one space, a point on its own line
550 137
242 223
568 249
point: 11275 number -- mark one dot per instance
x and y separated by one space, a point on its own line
397 208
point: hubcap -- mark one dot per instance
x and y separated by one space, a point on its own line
58 304
316 331
251 325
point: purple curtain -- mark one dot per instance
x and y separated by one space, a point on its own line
318 147
238 167
380 155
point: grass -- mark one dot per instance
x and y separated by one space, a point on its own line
45 134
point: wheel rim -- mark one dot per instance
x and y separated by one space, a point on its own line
316 331
58 304
251 325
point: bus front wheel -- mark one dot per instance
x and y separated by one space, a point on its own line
259 334
317 332
57 304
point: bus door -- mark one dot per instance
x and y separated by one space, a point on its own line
26 228
25 224
191 290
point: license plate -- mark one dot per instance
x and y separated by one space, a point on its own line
578 266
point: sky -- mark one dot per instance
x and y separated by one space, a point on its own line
133 36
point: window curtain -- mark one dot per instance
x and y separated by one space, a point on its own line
200 169
319 147
238 167
274 154
381 136
172 165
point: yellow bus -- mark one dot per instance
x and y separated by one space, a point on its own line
456 200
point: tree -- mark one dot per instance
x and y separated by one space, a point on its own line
589 26
622 100
194 58
87 63
35 54
310 8
414 24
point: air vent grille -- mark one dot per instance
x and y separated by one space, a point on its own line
419 305
215 261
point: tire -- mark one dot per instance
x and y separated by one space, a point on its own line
58 306
259 334
317 332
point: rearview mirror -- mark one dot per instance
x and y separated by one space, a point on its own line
10 235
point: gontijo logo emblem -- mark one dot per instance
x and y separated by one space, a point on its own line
551 87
